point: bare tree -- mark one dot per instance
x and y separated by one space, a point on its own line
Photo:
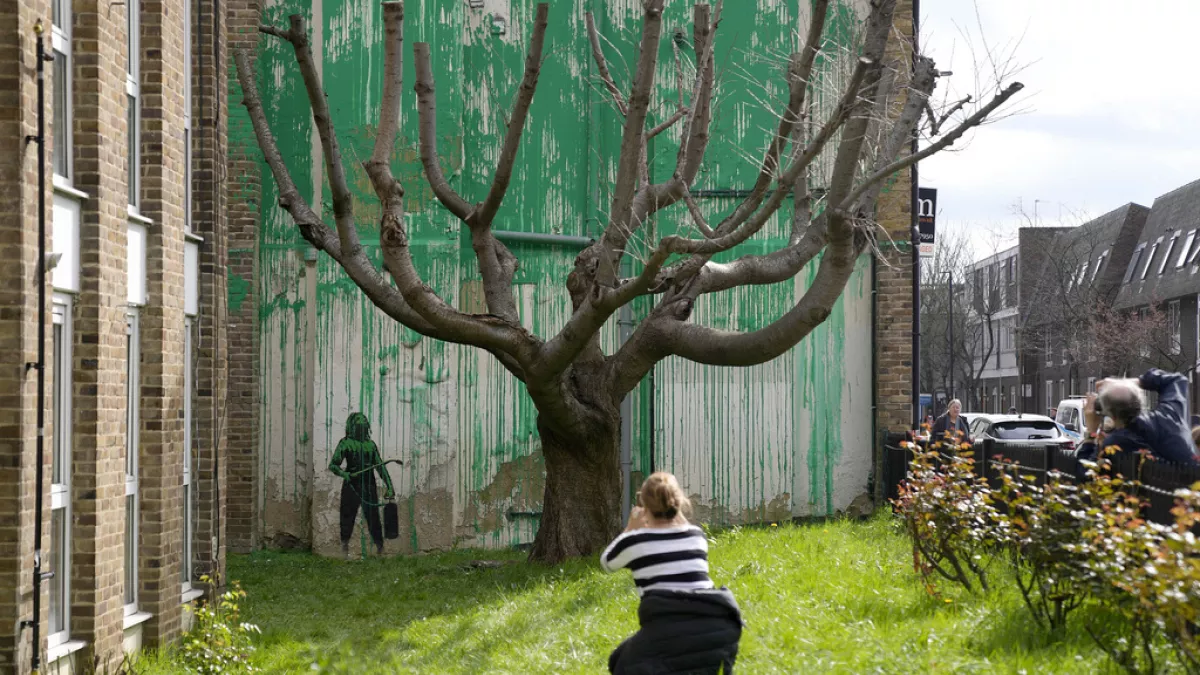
575 386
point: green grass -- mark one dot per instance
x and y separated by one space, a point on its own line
837 597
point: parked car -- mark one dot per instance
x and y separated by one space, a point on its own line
1070 415
1020 429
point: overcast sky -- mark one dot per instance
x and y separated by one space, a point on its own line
1112 103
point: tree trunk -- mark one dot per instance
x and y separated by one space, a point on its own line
581 510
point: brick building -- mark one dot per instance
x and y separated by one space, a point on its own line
134 331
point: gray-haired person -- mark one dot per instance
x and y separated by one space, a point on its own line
951 425
1163 431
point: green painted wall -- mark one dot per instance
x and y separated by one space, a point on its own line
750 444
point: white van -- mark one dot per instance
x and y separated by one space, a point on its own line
1070 415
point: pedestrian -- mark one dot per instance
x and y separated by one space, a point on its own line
687 626
951 425
1164 431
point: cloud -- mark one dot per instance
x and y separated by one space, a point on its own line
1111 107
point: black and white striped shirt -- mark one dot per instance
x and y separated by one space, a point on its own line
673 558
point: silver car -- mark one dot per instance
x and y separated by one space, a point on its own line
1019 430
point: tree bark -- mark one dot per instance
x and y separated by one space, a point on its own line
581 509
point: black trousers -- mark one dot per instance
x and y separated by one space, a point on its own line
360 493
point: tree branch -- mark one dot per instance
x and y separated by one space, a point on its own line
312 228
427 133
379 167
516 123
847 204
602 64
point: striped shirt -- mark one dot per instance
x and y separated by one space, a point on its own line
668 559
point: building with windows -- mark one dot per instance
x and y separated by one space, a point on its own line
1161 285
1076 290
134 392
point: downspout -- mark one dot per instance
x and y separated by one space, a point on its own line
881 457
916 256
625 322
40 365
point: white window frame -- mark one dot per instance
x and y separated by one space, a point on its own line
60 43
1134 260
1062 389
1162 267
133 99
188 417
132 446
1091 385
1099 264
1187 247
1049 395
187 117
1150 257
60 481
1049 352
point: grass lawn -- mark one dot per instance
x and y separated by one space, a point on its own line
839 597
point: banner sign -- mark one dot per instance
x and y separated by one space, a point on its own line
926 214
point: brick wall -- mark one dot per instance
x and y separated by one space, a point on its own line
98 394
245 192
209 221
893 284
18 309
98 465
162 319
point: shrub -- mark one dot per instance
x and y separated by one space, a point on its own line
1038 527
947 515
219 642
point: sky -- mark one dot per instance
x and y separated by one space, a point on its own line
1109 113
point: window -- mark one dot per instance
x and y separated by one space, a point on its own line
1011 278
1012 395
1049 393
1062 390
133 113
60 40
1091 385
1187 248
1133 262
187 116
995 400
1150 257
1195 250
977 291
60 482
1049 352
132 427
1167 256
1173 324
188 511
1099 264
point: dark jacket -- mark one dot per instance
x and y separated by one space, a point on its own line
943 425
1163 431
682 633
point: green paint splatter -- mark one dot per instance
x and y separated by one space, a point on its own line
238 289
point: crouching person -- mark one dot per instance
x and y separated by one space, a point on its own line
687 626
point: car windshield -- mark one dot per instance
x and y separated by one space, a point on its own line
1025 430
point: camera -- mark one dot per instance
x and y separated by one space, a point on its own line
1096 407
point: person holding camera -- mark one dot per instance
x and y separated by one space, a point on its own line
1163 431
687 625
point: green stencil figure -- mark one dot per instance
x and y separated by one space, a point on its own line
362 459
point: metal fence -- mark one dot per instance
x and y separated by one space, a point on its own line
1157 480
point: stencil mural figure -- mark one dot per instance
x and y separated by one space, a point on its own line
359 489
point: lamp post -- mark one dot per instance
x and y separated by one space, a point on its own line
950 323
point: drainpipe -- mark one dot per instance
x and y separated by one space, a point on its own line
881 456
40 366
916 258
625 322
539 238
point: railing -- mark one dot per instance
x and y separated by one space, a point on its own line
1157 480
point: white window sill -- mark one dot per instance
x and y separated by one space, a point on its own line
64 650
193 237
136 619
62 186
192 594
137 217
